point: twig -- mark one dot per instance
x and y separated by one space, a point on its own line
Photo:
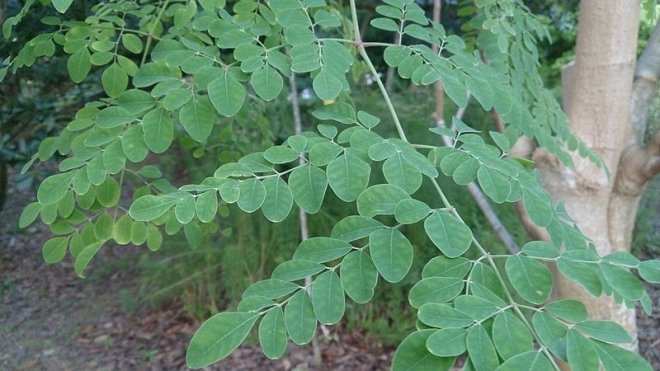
302 215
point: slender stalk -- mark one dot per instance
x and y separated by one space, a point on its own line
441 194
151 32
302 215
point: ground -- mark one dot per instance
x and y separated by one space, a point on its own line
52 320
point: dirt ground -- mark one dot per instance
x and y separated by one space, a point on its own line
51 320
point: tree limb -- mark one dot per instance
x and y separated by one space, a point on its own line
645 87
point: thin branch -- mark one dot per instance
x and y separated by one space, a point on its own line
302 215
645 86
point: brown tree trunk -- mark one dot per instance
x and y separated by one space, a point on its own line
598 97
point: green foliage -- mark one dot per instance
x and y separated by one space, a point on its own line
192 81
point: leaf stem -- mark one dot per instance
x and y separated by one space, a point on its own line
374 72
151 32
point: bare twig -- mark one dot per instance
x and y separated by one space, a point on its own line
302 215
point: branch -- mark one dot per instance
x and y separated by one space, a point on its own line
645 86
302 215
637 166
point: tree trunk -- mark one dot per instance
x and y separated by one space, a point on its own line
597 95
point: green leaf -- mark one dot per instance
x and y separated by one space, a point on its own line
395 54
359 276
399 172
114 116
380 199
132 43
368 120
121 231
510 335
466 172
581 273
54 249
103 227
580 352
649 270
412 354
606 331
114 80
386 24
299 318
293 270
308 184
150 207
475 307
530 361
54 188
254 304
322 249
197 118
206 206
622 281
540 249
79 64
153 73
29 214
270 289
442 266
267 82
443 316
531 280
494 184
133 144
218 336
571 310
355 227
154 238
272 334
184 210
338 111
62 5
538 204
448 233
252 195
411 211
348 176
280 155
108 193
114 159
138 233
226 94
279 199
434 290
84 257
323 153
447 342
391 252
158 128
328 298
480 349
551 332
326 85
618 359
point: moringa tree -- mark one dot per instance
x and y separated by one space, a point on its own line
191 67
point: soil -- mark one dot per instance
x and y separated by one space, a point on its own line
52 320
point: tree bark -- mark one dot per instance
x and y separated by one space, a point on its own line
597 96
